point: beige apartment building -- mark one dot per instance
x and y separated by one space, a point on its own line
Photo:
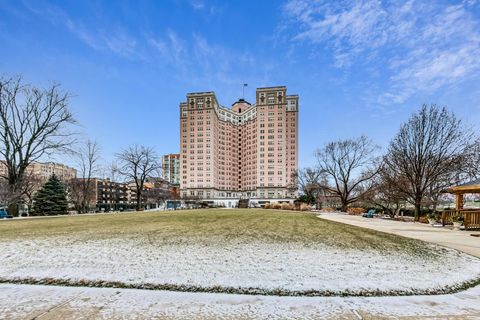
246 151
47 169
43 170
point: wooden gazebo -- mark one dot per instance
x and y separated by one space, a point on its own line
471 216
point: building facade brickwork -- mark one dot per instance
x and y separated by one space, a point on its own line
43 170
246 151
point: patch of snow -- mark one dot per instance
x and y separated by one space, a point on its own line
27 302
265 266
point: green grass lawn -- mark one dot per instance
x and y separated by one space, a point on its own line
242 225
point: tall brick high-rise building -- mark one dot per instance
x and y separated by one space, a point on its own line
246 151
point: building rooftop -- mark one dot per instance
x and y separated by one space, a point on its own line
200 93
241 101
274 87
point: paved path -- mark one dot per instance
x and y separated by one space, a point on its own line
460 240
55 303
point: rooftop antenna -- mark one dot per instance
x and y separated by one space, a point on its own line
244 85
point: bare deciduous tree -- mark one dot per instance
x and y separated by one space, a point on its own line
349 165
158 193
311 182
110 171
5 193
137 163
33 123
23 191
473 161
427 152
384 194
88 164
30 184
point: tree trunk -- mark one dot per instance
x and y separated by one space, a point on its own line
435 204
417 210
344 206
391 212
139 201
319 205
13 209
396 212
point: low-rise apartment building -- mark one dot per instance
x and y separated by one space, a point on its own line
100 194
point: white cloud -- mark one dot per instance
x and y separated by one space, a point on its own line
200 5
422 46
203 64
348 32
115 39
171 47
121 43
197 5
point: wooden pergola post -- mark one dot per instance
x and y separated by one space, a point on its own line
459 201
471 216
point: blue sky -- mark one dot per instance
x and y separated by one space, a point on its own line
360 67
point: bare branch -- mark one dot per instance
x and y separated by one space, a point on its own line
88 165
137 164
429 153
349 165
33 123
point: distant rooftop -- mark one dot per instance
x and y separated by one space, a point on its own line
275 87
241 101
200 93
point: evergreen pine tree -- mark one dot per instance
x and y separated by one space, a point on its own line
51 199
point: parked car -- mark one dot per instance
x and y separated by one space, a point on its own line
4 214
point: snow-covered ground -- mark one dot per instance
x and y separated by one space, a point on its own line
254 267
55 303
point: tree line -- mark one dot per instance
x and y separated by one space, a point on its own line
36 123
431 151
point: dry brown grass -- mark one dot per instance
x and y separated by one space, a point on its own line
305 207
207 225
356 211
287 206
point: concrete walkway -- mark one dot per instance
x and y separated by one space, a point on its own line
59 303
460 240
